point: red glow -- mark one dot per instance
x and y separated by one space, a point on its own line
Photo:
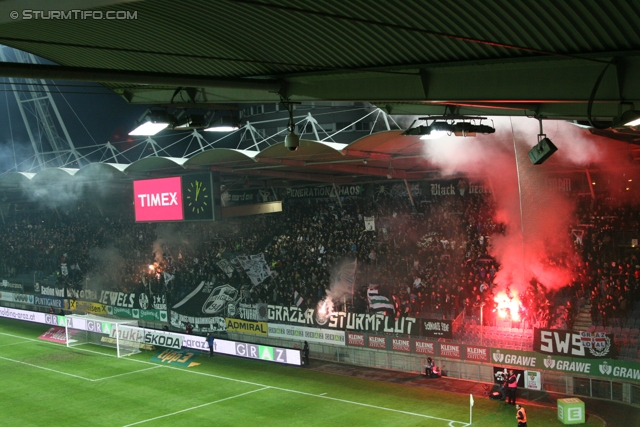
508 306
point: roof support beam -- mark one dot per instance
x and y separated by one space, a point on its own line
288 175
85 74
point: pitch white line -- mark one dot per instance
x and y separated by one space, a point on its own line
15 343
195 407
46 369
382 408
127 373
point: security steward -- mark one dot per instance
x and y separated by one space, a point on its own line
521 416
512 386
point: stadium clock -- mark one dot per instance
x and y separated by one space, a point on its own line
197 197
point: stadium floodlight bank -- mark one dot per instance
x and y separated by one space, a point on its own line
123 335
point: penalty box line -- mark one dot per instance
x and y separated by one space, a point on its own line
195 407
263 386
31 340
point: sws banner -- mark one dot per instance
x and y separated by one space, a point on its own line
574 344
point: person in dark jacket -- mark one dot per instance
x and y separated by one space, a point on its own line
210 342
305 353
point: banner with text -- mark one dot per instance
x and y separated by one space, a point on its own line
558 342
324 336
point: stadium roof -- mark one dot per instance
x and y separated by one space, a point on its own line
409 56
314 161
540 58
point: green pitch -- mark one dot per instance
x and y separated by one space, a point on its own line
48 384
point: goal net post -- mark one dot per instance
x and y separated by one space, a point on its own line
123 335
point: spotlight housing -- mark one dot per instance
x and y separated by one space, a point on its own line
224 124
190 122
542 151
449 125
630 118
152 122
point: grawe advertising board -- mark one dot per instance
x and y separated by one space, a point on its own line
158 199
266 353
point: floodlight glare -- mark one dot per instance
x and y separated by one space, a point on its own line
630 118
149 128
447 125
223 124
151 123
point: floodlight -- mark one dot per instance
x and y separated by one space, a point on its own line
151 123
223 124
630 118
449 125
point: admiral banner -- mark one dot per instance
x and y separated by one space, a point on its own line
436 328
324 336
364 322
574 344
246 327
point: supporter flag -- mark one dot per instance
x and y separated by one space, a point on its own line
297 298
168 277
369 223
347 276
378 302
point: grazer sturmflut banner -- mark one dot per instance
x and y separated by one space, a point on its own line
366 322
559 342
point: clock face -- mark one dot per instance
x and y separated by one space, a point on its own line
197 197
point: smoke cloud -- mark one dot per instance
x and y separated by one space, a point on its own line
536 217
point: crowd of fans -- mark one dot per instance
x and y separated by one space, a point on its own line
430 258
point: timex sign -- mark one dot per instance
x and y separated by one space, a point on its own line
158 199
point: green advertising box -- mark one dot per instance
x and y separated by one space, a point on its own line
571 411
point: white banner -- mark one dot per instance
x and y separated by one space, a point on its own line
369 223
324 336
532 380
255 266
226 267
